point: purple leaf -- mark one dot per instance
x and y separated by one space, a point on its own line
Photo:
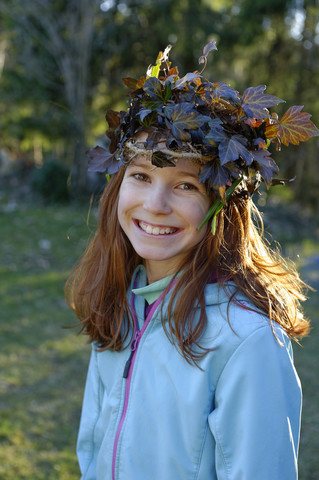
189 77
208 48
216 133
171 79
144 112
183 118
101 161
255 102
223 90
266 165
231 148
216 177
153 87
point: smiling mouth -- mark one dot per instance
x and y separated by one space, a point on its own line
152 230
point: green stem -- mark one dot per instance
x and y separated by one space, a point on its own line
218 206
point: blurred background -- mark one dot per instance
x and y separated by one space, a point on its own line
61 65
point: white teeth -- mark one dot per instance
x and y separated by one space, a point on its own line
156 230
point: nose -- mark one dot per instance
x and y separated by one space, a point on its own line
157 200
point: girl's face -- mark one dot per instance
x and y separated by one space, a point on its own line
160 210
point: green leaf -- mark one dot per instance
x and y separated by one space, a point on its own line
153 71
218 206
167 92
152 104
213 227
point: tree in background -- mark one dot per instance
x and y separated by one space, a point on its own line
277 43
54 42
76 53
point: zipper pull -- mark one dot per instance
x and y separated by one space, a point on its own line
135 341
133 347
127 366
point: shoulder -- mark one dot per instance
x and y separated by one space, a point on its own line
229 309
238 327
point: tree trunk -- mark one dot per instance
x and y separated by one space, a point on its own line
66 35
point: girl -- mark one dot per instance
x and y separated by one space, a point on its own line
189 313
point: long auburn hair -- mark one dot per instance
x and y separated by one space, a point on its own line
97 288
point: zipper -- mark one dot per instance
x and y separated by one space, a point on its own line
127 374
129 365
133 347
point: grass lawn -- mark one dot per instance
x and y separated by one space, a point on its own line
43 365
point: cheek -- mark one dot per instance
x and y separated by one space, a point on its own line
195 217
122 206
127 203
198 236
196 213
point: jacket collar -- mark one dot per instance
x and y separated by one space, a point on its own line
215 293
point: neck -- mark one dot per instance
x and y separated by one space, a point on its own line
156 271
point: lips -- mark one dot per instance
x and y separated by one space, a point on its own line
156 230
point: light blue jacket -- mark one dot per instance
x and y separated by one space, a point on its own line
237 418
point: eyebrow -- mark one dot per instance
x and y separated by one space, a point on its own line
188 174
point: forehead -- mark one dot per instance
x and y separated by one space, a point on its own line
183 166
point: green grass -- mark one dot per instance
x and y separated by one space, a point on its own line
307 363
43 365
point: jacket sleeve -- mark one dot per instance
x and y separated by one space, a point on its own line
89 437
256 416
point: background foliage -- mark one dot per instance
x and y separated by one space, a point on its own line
61 65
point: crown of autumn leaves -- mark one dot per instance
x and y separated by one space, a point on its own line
227 133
